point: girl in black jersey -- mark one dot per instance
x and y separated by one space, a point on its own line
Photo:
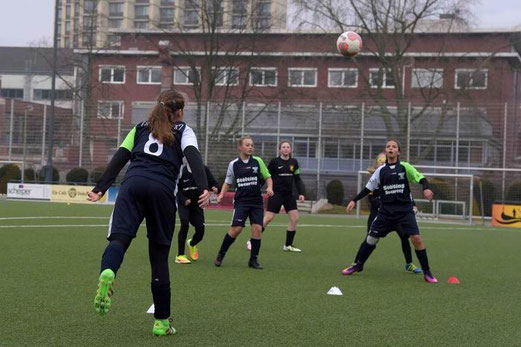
248 173
285 173
155 149
190 213
396 210
374 206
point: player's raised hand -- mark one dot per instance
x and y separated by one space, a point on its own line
350 206
301 198
429 195
204 199
93 197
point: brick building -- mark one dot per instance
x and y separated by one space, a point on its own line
450 81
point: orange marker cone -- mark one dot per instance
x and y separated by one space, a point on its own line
453 280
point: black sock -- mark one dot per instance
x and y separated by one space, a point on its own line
112 257
364 252
357 257
290 235
181 238
255 248
198 236
424 261
263 228
227 242
161 295
406 248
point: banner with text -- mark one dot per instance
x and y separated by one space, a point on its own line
67 193
28 191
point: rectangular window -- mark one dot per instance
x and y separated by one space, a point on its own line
191 13
110 109
141 11
45 94
114 40
302 77
141 24
166 14
215 13
149 75
67 12
115 23
12 93
380 78
239 14
226 76
167 2
471 79
89 6
263 77
342 78
116 9
427 78
184 75
262 14
112 74
67 27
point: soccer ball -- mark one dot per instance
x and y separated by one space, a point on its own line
349 44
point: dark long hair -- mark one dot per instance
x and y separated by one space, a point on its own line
164 114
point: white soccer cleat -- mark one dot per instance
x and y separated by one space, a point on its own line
291 249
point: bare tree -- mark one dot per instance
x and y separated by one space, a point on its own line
388 28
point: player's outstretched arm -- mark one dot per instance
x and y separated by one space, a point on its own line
117 163
359 196
193 156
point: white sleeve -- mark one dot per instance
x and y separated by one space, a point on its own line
374 181
230 177
188 138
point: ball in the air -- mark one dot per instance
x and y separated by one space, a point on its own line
349 44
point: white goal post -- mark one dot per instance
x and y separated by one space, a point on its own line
455 190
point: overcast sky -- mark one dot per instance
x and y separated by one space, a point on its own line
23 22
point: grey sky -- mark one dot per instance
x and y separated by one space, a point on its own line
23 22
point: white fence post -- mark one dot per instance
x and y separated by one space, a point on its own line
319 148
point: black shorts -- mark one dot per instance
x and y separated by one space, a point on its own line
404 223
192 214
276 201
241 213
142 198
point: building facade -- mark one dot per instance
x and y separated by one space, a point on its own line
96 23
452 98
25 73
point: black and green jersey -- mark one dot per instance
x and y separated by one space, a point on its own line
248 177
393 182
284 174
151 159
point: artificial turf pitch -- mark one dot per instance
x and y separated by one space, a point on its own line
49 269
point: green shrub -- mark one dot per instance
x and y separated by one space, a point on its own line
55 174
29 175
335 192
488 193
77 175
96 173
8 173
514 192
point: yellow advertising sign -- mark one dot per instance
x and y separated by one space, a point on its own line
506 215
77 194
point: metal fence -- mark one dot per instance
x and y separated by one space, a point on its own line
331 140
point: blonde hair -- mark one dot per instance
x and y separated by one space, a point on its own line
372 169
241 140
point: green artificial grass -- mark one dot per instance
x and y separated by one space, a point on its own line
49 276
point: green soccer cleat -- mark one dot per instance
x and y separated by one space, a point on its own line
162 327
192 251
412 268
104 293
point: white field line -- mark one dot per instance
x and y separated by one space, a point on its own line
50 217
227 225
